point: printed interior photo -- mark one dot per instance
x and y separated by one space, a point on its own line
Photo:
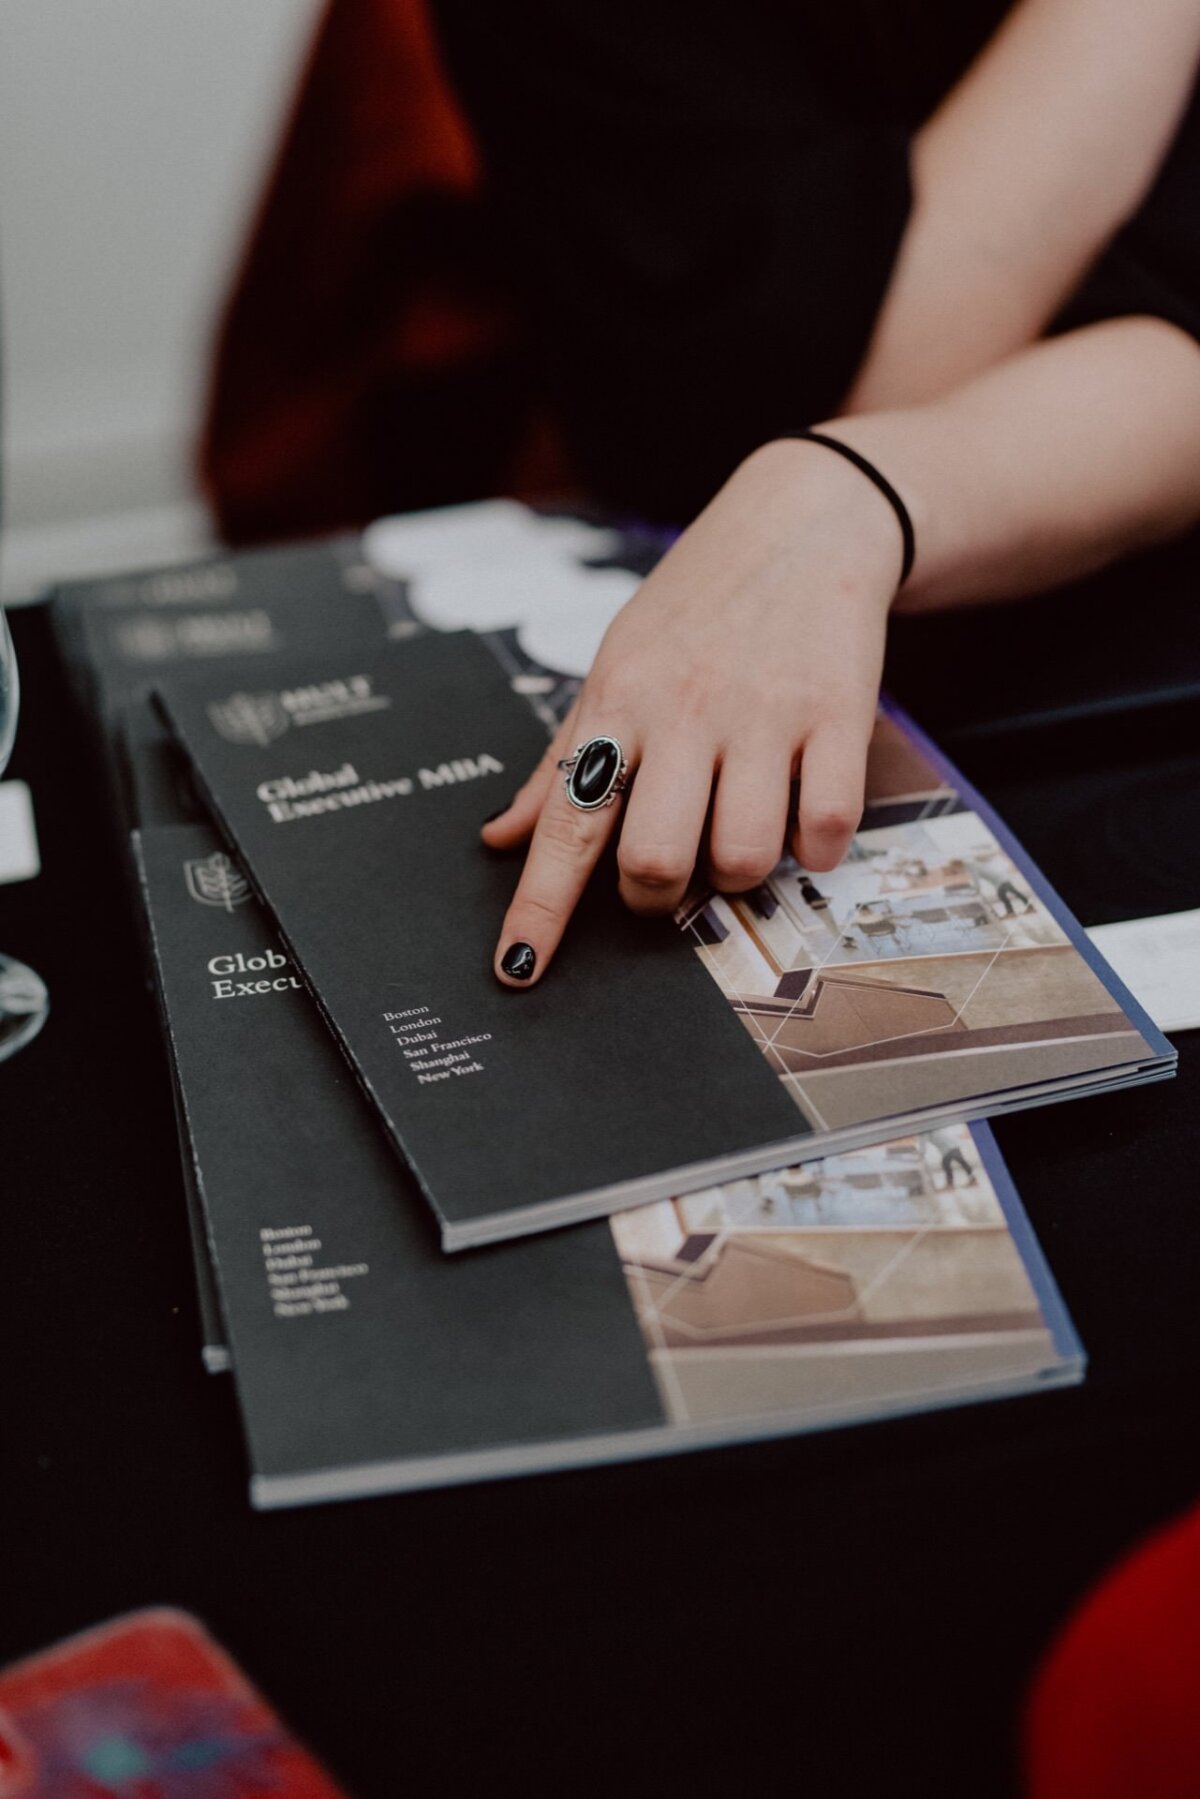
941 887
840 1279
922 971
931 1179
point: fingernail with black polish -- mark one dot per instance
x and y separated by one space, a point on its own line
498 813
518 961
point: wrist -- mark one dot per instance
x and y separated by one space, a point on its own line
907 446
816 490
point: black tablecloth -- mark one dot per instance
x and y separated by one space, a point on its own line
847 1612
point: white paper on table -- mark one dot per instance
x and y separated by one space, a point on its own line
416 544
567 636
413 543
514 590
574 538
19 857
1159 961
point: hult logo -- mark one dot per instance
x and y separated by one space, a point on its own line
249 718
259 718
216 881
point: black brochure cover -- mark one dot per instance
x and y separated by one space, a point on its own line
366 1361
355 1341
353 789
124 630
157 776
120 634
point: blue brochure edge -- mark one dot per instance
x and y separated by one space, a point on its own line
1054 1311
1053 902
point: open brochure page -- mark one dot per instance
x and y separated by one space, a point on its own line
926 966
858 1281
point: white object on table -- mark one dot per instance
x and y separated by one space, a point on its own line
1159 961
416 544
567 636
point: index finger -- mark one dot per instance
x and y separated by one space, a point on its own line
566 845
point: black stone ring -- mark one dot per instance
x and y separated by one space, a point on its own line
595 774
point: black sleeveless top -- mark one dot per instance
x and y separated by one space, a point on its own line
699 206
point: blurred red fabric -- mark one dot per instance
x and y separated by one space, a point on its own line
1115 1709
367 359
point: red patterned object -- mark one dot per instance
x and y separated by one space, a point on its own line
1115 1708
145 1707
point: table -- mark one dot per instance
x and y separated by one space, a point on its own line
847 1612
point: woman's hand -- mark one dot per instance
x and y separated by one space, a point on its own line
751 657
749 660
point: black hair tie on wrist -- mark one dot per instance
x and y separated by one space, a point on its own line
882 483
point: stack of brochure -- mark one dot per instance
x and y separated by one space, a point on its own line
717 1179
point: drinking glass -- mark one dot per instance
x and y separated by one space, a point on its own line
23 999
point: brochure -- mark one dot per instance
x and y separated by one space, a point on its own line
120 632
117 635
366 1361
934 975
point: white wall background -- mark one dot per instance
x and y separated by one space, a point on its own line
133 139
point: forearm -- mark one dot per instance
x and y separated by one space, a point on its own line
1058 460
1041 152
